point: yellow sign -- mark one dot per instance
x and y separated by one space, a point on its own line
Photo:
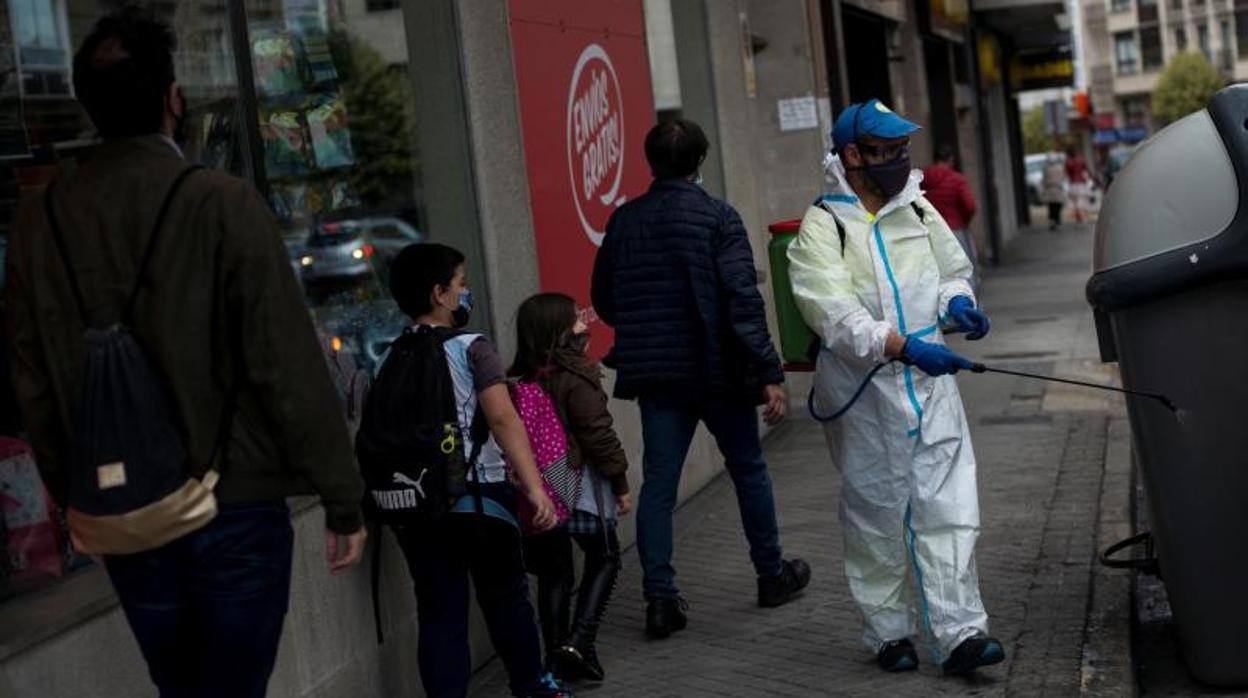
1037 72
950 13
989 61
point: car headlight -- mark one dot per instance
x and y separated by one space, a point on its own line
306 260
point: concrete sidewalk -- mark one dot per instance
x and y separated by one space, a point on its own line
1042 450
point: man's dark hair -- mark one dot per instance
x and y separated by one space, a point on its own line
945 153
675 148
417 271
123 70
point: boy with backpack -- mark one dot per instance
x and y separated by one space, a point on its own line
431 446
560 397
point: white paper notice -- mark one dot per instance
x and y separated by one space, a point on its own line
798 114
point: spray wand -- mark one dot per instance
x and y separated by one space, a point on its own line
980 368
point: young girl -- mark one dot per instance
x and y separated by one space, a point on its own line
551 351
427 281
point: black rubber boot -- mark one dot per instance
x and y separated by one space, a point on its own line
554 608
578 658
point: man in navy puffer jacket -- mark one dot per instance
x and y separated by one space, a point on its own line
675 278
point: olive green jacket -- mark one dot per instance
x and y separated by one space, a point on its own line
219 307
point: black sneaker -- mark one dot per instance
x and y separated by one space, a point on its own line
898 655
782 588
974 652
666 616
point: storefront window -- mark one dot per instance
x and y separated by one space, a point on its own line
311 100
42 130
336 129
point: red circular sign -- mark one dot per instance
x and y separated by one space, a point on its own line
595 140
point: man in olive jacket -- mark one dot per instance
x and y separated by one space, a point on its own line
219 312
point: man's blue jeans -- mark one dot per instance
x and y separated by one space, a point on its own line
207 609
667 428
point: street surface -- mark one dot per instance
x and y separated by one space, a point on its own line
1041 451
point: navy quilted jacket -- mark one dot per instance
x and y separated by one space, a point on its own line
675 278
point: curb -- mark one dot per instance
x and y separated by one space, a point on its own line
1108 667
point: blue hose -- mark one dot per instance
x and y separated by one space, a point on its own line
810 399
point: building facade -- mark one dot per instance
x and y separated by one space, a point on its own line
509 129
1127 43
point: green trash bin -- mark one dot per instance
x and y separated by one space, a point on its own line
796 338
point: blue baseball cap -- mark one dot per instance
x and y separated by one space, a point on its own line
870 119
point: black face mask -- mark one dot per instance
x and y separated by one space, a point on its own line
579 342
889 177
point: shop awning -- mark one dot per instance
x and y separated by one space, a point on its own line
1031 25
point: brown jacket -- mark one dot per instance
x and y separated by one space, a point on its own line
576 389
219 307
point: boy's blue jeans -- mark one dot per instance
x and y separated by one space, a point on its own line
667 427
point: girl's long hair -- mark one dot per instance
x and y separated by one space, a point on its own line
544 325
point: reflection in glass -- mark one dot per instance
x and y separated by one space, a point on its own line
336 128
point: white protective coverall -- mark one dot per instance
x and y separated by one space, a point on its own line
908 492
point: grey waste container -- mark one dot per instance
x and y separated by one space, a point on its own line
1170 295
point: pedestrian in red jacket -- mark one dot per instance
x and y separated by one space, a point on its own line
948 190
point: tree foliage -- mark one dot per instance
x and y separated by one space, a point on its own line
379 107
1036 138
1185 86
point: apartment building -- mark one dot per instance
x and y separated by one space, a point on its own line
1127 43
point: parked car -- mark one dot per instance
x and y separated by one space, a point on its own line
348 248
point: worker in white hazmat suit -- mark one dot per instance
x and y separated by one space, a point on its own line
877 274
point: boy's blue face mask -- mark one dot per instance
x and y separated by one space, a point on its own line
463 313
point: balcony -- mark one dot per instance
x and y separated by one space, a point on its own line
1140 83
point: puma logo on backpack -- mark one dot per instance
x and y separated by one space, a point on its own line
410 445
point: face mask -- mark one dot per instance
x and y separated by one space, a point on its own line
579 342
461 314
890 177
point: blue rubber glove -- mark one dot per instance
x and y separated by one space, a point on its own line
932 359
969 319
